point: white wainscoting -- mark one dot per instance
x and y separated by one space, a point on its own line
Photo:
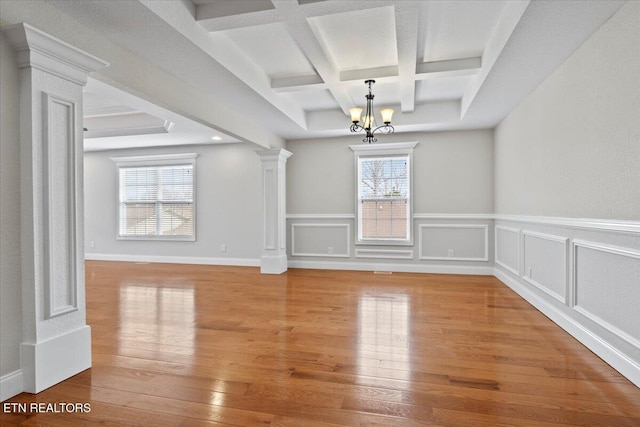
311 236
59 182
507 251
544 261
453 242
321 240
608 296
384 253
584 275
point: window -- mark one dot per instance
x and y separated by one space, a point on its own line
383 191
156 197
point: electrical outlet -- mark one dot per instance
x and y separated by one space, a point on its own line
223 248
330 250
93 244
450 252
530 271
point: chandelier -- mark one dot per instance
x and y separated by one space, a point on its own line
369 124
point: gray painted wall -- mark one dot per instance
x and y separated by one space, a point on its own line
228 204
10 274
452 173
572 148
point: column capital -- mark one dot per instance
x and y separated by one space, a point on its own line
40 50
279 154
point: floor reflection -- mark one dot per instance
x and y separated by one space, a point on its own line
383 335
157 316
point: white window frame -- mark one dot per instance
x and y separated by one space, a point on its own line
184 159
377 150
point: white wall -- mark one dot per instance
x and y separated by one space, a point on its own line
10 275
571 150
228 208
453 203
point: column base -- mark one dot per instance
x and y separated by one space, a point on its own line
49 362
273 264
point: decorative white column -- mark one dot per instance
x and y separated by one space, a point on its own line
274 236
56 341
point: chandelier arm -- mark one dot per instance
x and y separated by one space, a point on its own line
355 127
386 128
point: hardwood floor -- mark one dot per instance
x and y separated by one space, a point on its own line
185 345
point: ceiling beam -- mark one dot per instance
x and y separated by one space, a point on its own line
219 9
448 68
407 18
297 83
507 23
218 20
425 70
379 74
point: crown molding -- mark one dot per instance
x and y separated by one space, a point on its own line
40 50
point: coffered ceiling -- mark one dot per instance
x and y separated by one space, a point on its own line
297 66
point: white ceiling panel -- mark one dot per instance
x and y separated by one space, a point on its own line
271 48
457 29
359 39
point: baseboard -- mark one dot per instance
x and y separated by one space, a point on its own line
49 362
395 267
11 385
244 262
618 360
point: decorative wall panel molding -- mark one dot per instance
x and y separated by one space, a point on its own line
59 187
384 253
606 287
321 240
321 216
453 216
269 182
453 242
545 263
507 248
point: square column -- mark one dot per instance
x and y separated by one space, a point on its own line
56 341
274 236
